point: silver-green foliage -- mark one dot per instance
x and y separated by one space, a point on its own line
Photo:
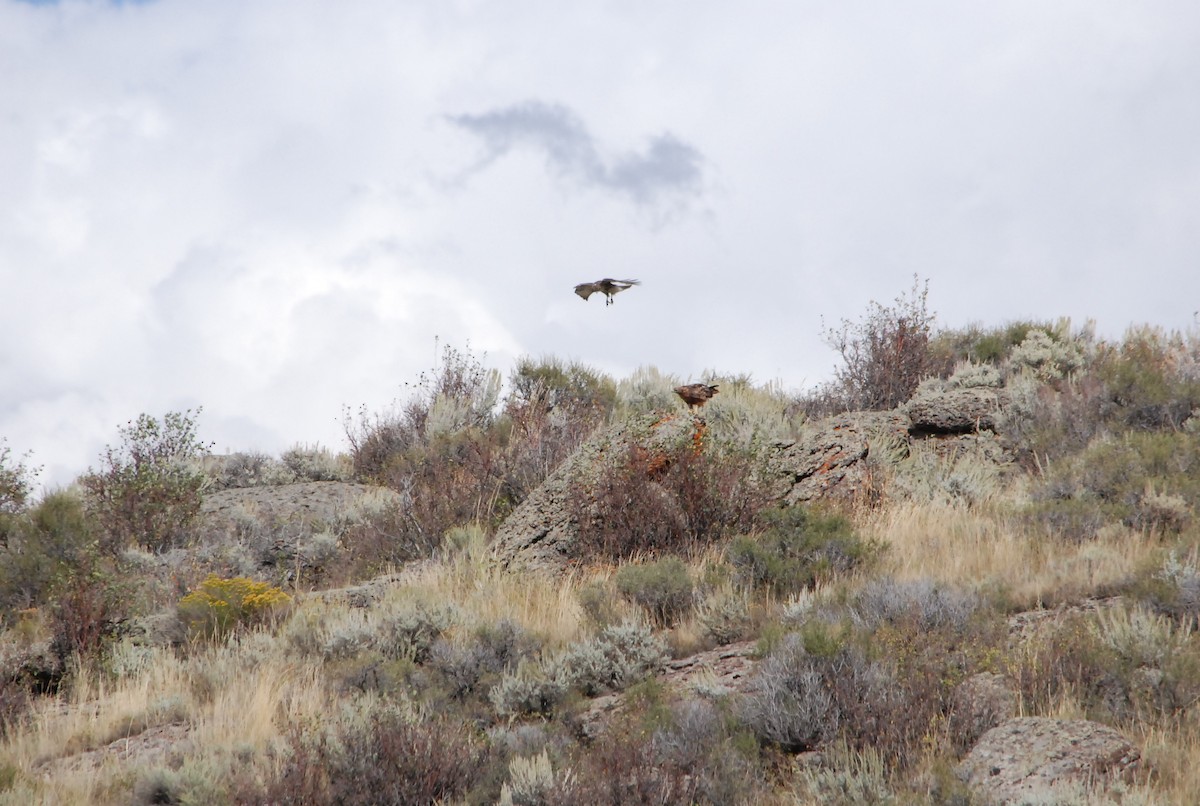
618 657
787 703
1047 357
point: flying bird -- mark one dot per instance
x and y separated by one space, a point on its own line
607 287
696 394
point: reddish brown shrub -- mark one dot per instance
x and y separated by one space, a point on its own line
388 760
669 501
887 354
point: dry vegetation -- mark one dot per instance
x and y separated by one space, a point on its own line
146 660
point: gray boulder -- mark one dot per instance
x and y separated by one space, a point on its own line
1036 759
955 411
830 459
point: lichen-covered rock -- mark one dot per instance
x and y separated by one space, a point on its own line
541 531
829 460
1033 758
955 411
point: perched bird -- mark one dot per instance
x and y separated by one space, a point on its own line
607 287
696 394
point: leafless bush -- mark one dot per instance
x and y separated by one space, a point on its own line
665 501
389 759
887 354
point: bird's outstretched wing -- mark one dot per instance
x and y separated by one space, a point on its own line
607 286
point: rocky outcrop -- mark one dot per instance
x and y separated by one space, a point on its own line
829 459
955 411
834 458
540 532
1037 758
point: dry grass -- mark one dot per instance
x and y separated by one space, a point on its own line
221 700
485 593
986 548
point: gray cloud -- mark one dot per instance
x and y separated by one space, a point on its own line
667 169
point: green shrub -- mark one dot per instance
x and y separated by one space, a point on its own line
599 604
470 667
1045 423
662 588
921 602
444 451
1173 587
90 602
1145 480
796 550
552 409
530 689
1116 664
787 702
554 386
724 616
618 657
985 346
316 464
662 752
148 488
219 606
410 630
43 546
1151 379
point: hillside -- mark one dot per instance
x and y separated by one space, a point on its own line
966 572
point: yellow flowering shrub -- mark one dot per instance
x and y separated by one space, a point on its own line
220 605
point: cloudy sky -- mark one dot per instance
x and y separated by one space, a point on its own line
276 209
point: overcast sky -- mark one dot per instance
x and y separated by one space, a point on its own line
275 209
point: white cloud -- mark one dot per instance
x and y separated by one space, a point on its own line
260 206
